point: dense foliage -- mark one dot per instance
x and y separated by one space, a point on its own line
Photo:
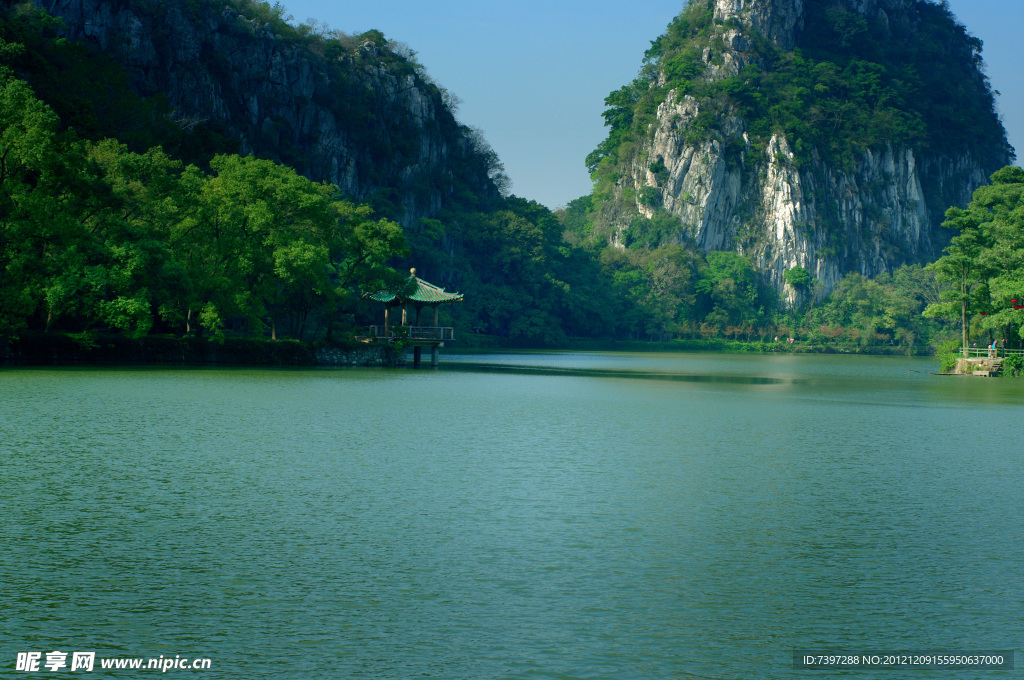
677 292
849 85
95 236
90 92
984 262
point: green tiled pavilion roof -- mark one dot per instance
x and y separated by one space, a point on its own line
422 292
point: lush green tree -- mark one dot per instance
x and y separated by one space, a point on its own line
139 200
961 268
45 254
798 277
508 254
1003 256
360 249
262 236
888 307
658 285
729 289
984 261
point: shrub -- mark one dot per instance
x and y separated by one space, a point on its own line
798 277
948 353
650 196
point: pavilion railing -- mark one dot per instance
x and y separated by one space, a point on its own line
985 352
425 333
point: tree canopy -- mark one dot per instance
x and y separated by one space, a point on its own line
984 262
97 236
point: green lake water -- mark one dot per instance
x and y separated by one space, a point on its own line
593 515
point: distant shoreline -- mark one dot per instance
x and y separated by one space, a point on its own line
67 349
493 343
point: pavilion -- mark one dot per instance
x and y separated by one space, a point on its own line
419 294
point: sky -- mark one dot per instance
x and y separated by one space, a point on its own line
533 74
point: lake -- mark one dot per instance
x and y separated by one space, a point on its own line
534 515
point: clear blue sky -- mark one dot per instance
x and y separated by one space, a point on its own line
533 74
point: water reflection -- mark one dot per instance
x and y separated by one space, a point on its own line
624 373
897 380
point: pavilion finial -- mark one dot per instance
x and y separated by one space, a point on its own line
412 271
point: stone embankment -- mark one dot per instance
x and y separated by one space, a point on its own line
985 367
370 355
69 350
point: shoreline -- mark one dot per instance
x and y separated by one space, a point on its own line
65 349
723 346
62 349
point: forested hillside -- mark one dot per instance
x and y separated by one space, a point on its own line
154 182
815 145
828 136
165 228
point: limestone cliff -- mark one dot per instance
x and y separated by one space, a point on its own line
879 209
359 116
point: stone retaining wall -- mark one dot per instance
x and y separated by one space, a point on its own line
978 365
40 349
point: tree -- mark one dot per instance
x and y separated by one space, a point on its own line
139 200
798 277
960 266
1003 257
985 261
264 241
45 253
728 288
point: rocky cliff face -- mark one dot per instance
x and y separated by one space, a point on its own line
359 118
870 217
777 20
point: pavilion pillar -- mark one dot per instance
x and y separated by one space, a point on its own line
405 314
386 323
435 349
417 351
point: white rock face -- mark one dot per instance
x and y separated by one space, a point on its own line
777 20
